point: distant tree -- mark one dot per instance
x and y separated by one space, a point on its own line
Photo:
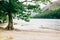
13 8
53 14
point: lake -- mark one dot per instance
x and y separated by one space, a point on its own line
37 24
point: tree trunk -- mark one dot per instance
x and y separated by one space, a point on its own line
10 23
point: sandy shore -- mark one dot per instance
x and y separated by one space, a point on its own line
41 34
32 35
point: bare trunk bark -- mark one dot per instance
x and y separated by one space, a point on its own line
10 23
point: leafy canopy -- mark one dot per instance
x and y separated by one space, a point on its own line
18 9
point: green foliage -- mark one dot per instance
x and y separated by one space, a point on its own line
3 16
43 1
32 6
13 7
49 14
18 9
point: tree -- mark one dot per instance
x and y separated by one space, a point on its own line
12 8
53 14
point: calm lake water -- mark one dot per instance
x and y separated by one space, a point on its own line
37 24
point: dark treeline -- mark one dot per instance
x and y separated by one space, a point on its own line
53 14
